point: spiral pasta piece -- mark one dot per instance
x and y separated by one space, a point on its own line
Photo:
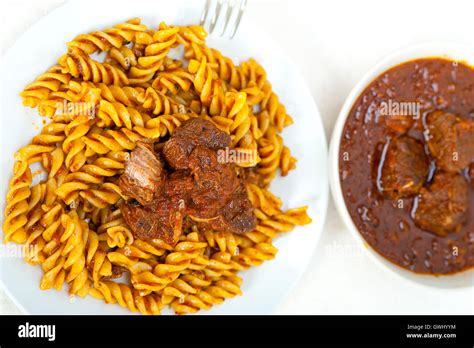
276 110
158 103
207 84
175 262
265 202
236 103
173 81
161 126
114 37
41 88
224 66
123 57
73 247
192 34
189 283
281 222
256 255
126 95
223 241
111 140
127 297
119 115
155 53
216 293
77 64
119 236
287 161
19 192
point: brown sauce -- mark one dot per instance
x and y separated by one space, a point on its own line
387 224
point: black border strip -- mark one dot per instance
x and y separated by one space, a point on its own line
349 331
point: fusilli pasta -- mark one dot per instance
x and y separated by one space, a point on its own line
71 221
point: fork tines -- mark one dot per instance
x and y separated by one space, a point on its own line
217 12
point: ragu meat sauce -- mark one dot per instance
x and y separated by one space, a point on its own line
407 177
184 185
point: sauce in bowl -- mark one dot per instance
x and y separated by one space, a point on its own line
395 111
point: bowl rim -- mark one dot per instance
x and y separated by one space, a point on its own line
427 49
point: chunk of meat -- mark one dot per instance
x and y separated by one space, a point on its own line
195 187
163 218
450 140
219 196
442 207
405 167
215 183
143 174
237 215
148 222
192 133
178 185
399 125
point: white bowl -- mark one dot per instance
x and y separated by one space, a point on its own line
449 50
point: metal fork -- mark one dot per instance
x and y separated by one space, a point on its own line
229 5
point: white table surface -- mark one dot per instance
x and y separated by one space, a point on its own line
334 43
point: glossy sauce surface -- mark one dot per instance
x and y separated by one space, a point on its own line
387 224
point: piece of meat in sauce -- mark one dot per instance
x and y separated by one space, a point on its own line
143 174
196 186
405 167
163 218
450 140
160 220
219 195
192 133
237 214
442 207
399 125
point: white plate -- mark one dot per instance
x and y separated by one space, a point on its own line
264 287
